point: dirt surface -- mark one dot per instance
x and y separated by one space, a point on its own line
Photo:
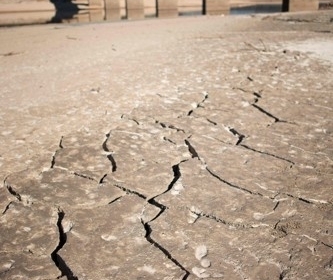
168 149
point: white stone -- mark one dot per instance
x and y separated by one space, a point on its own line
205 262
200 272
200 252
108 237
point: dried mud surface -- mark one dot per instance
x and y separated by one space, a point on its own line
168 149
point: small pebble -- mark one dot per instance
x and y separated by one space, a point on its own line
205 262
200 252
200 272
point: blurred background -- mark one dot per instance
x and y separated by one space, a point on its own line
22 12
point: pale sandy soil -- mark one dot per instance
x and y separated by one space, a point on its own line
186 148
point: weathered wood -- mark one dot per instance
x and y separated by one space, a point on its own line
96 15
112 4
95 3
135 9
167 8
214 7
300 5
112 10
112 14
134 4
167 4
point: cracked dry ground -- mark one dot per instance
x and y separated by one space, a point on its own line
201 149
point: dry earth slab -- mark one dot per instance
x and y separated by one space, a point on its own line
168 149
